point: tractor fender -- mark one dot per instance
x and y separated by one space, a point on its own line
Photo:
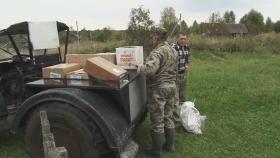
111 121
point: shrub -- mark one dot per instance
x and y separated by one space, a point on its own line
259 43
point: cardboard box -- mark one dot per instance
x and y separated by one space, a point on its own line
82 58
129 56
58 71
78 78
78 58
102 69
108 56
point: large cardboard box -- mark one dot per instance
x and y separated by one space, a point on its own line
82 58
57 73
102 69
130 56
108 56
78 58
78 78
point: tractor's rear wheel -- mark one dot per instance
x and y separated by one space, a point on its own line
71 128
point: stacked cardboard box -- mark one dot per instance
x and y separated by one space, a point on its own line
56 74
130 56
99 66
78 78
82 58
102 69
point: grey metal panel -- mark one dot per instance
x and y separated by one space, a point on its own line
237 28
3 109
2 103
113 124
137 96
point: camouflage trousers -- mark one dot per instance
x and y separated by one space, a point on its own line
180 95
161 105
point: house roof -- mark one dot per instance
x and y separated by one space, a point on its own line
222 28
237 28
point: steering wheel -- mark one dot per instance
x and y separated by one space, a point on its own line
24 57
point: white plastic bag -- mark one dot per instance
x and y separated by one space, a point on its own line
191 119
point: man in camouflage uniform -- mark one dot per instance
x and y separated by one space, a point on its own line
183 55
160 70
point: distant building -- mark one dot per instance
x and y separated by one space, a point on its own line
222 29
237 29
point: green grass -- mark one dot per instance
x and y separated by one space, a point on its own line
239 94
11 146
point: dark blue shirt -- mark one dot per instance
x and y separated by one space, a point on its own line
183 55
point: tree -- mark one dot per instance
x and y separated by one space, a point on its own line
268 25
195 28
139 27
277 26
215 18
169 20
103 35
229 17
84 35
254 21
184 27
118 35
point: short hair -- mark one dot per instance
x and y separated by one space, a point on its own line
160 32
181 33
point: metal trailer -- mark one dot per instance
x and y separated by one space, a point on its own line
89 121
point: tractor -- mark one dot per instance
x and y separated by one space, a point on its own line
89 121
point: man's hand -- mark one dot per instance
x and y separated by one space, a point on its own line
139 68
187 67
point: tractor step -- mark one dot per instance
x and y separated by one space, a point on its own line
12 109
130 150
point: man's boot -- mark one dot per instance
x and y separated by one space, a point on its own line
157 142
169 145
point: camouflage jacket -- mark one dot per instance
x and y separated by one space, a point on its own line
160 67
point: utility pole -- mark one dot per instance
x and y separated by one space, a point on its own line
78 37
180 22
90 33
174 28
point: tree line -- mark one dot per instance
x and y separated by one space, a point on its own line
141 25
254 21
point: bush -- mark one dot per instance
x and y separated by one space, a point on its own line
103 35
231 47
87 47
277 27
260 43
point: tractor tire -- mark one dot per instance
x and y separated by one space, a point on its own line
72 129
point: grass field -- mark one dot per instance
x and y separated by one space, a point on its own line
239 94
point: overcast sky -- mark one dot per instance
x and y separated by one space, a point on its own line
96 14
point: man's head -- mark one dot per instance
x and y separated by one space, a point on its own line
181 39
159 36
